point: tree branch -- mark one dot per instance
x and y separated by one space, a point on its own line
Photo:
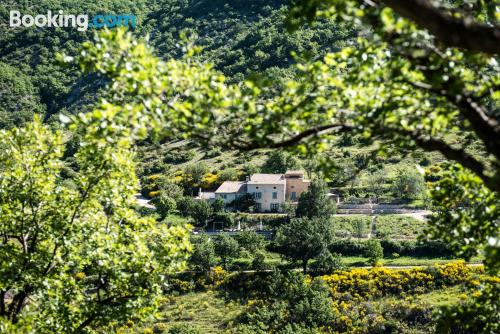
298 138
455 154
485 127
454 32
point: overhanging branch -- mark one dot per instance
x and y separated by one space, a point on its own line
486 128
315 131
454 32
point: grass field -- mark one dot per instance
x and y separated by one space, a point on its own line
206 311
275 260
355 261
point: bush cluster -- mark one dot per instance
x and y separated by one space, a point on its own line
353 247
361 284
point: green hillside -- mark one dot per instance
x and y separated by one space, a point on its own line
239 37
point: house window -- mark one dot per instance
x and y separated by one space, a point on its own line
275 195
275 206
224 196
294 195
257 195
258 207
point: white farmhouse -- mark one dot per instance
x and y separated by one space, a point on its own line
268 191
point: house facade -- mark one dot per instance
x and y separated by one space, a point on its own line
231 190
269 191
295 185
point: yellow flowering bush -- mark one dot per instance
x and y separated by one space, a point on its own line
219 275
378 282
180 285
209 181
154 193
153 177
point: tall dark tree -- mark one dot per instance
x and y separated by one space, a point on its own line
304 239
315 202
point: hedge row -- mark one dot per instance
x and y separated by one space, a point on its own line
352 247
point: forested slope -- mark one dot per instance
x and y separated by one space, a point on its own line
239 37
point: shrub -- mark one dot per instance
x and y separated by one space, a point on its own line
380 282
480 314
327 262
374 251
203 256
165 204
251 241
258 262
200 210
291 301
409 184
227 248
352 247
210 181
268 220
411 313
160 328
184 329
415 248
348 247
178 156
230 174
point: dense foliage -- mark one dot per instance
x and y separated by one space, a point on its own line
315 202
73 252
74 247
304 239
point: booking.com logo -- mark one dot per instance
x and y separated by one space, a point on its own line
80 22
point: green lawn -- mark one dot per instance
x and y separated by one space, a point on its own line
355 261
275 260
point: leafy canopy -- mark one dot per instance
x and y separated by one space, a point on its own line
76 256
304 239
